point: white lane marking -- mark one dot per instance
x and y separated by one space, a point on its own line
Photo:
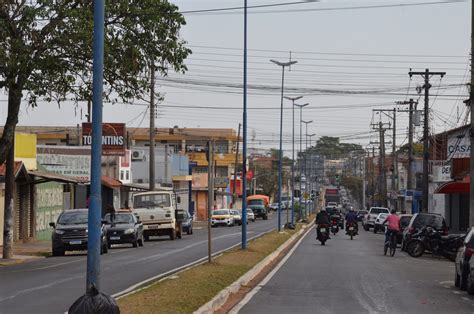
49 285
255 290
150 281
465 299
47 267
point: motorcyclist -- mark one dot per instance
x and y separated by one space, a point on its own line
393 225
322 218
351 218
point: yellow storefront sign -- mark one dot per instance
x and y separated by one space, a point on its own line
25 149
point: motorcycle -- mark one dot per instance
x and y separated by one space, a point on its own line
323 233
428 239
334 226
351 230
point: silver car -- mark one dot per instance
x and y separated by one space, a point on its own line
369 220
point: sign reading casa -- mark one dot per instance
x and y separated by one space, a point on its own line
113 138
459 147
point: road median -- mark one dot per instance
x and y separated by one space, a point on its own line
208 287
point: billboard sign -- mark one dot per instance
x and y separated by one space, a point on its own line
113 138
68 161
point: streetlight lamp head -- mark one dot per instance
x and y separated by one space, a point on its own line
293 98
301 106
283 64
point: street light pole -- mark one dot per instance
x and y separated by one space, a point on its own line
310 167
280 162
293 99
244 139
305 176
301 145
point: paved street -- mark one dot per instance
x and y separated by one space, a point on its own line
355 277
51 285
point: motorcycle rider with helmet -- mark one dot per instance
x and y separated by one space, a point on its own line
351 218
322 218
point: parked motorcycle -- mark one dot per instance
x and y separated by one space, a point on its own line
322 233
428 239
334 226
351 230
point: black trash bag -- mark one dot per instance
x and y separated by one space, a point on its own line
94 302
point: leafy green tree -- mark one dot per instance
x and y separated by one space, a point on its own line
46 51
417 149
331 148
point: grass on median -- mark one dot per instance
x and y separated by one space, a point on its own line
189 290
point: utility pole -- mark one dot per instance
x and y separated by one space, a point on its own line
410 111
301 154
152 127
382 188
210 196
471 133
9 201
306 177
234 194
394 161
426 153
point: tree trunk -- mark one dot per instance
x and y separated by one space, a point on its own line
14 102
9 201
7 152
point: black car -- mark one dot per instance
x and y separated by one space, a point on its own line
361 214
124 227
187 223
419 220
70 232
404 223
463 257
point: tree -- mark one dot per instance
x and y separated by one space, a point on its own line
417 149
331 148
46 51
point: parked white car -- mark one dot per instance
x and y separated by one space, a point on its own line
369 220
250 215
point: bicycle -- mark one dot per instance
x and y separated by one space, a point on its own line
392 244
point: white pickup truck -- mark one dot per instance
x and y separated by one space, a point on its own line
159 213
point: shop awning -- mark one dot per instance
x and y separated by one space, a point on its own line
454 186
45 176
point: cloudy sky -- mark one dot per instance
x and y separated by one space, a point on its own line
353 56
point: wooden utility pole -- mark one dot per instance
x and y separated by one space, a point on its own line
382 168
152 128
426 153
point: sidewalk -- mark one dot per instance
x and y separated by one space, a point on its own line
23 252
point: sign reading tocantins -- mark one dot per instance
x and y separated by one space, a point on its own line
113 138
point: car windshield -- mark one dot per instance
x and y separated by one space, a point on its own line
362 212
151 200
249 211
119 218
383 216
74 218
221 212
429 220
378 210
331 210
255 202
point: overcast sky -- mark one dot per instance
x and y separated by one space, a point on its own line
364 50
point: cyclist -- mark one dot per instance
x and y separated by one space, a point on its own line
393 225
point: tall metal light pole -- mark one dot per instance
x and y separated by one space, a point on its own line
306 179
280 162
244 138
301 148
310 166
293 99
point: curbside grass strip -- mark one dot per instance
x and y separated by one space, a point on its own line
164 276
220 299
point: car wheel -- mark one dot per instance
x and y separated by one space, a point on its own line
470 285
188 231
265 217
135 242
58 252
366 228
173 234
253 220
140 241
375 229
109 246
192 231
147 237
105 248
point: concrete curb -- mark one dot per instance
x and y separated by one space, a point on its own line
221 298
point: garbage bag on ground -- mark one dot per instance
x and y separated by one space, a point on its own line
94 302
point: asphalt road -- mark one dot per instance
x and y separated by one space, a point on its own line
51 285
355 277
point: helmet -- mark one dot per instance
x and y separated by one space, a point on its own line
323 209
351 209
